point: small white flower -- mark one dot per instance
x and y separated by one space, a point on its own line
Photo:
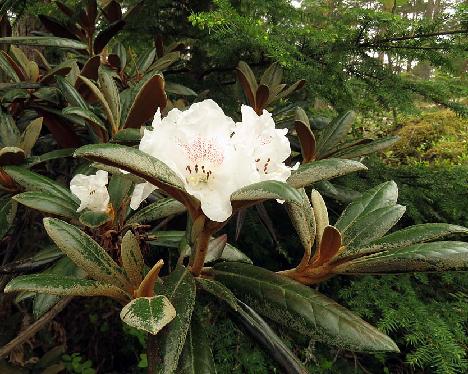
91 190
268 146
196 144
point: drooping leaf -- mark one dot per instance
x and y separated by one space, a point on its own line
85 252
322 170
48 203
259 329
149 314
132 160
179 287
196 356
52 155
157 210
268 190
218 290
44 257
64 286
424 257
301 308
383 195
44 41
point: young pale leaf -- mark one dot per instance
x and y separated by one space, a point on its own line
157 210
111 94
301 308
132 259
180 289
320 214
268 190
365 149
30 135
303 220
412 235
371 226
64 286
132 160
48 203
334 133
196 356
261 331
149 314
322 170
430 257
383 195
43 41
35 182
85 252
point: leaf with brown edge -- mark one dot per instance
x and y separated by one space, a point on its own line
294 87
18 70
106 35
64 8
248 81
305 135
272 76
111 94
261 98
11 156
329 246
143 101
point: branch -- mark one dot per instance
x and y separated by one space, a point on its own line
35 327
408 37
404 47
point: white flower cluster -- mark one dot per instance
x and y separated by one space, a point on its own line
213 155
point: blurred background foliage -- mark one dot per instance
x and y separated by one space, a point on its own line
401 65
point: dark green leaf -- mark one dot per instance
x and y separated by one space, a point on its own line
64 286
132 160
270 189
7 214
94 219
218 290
157 210
180 289
334 133
322 170
436 256
301 308
48 203
256 327
196 357
85 252
365 149
106 35
43 41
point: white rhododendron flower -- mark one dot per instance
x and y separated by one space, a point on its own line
91 190
213 156
196 144
269 146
